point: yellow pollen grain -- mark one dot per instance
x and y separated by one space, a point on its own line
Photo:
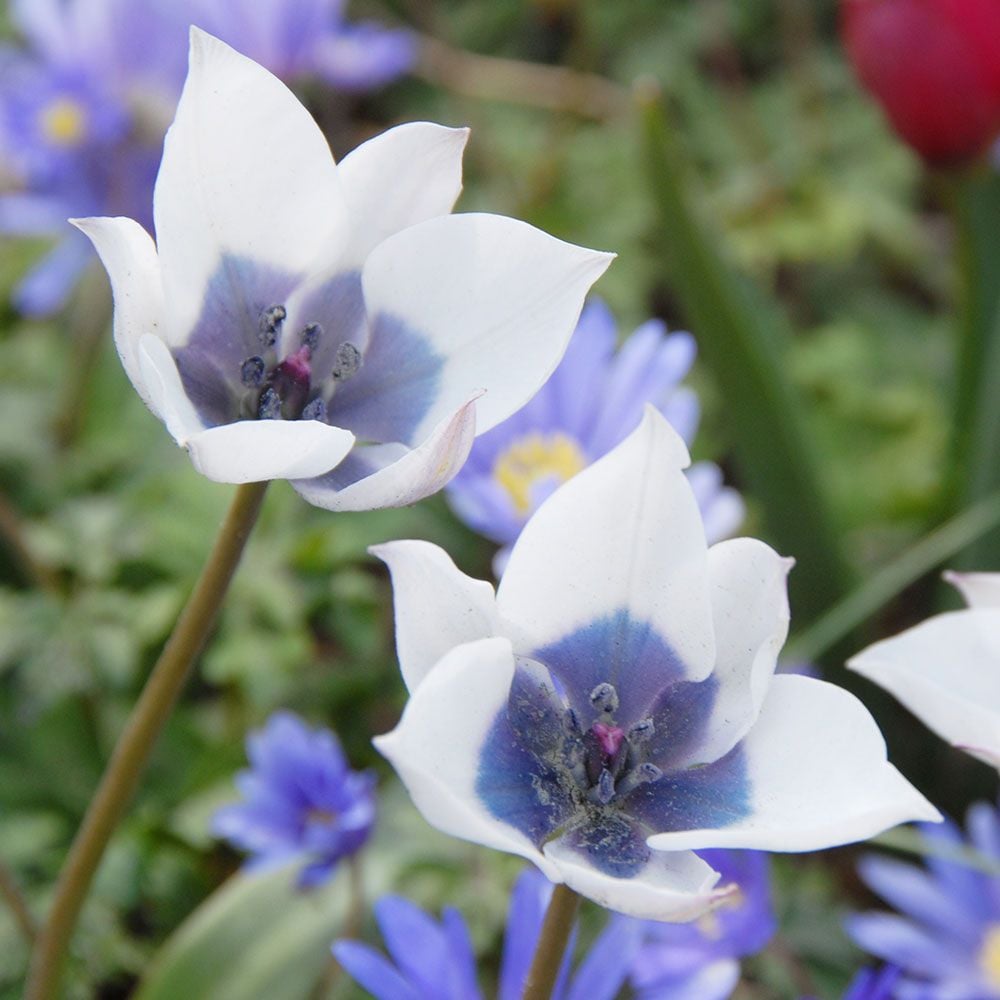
989 956
63 121
535 457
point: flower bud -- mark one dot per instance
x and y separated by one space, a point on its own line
934 66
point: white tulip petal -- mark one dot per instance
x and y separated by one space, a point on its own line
980 590
622 535
167 397
247 186
437 606
673 887
749 594
817 773
129 255
482 303
251 451
408 174
392 476
946 671
436 747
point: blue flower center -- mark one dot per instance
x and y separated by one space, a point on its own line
290 389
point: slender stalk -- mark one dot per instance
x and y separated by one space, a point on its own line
743 337
91 319
14 539
137 740
352 923
552 88
14 898
935 549
551 944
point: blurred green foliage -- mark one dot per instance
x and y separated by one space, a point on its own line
814 199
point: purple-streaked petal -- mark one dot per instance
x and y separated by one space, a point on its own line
48 285
944 670
500 322
391 476
374 972
363 56
646 370
576 564
722 508
437 606
714 981
245 171
915 893
416 943
818 776
463 958
408 174
896 940
604 969
436 746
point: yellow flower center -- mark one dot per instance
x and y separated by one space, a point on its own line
63 121
537 456
989 956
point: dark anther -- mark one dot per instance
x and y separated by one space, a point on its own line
641 731
604 791
347 362
269 406
252 372
269 324
604 698
315 410
311 333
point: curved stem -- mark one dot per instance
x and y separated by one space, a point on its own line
14 898
551 944
137 740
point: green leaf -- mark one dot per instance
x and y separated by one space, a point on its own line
257 936
744 338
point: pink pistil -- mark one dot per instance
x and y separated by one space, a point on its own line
610 737
297 367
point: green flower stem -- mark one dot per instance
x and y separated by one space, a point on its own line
743 338
975 446
936 549
137 740
14 898
556 929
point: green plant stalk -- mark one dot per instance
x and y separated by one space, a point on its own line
741 336
135 745
552 941
931 551
974 201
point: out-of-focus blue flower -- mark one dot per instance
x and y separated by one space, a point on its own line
591 403
435 961
700 960
297 38
300 800
83 108
85 103
873 984
946 938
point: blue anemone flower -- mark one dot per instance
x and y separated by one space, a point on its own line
700 960
85 103
435 961
591 403
946 936
300 800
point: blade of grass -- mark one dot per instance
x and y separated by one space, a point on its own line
742 337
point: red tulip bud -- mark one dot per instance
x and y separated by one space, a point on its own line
934 65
